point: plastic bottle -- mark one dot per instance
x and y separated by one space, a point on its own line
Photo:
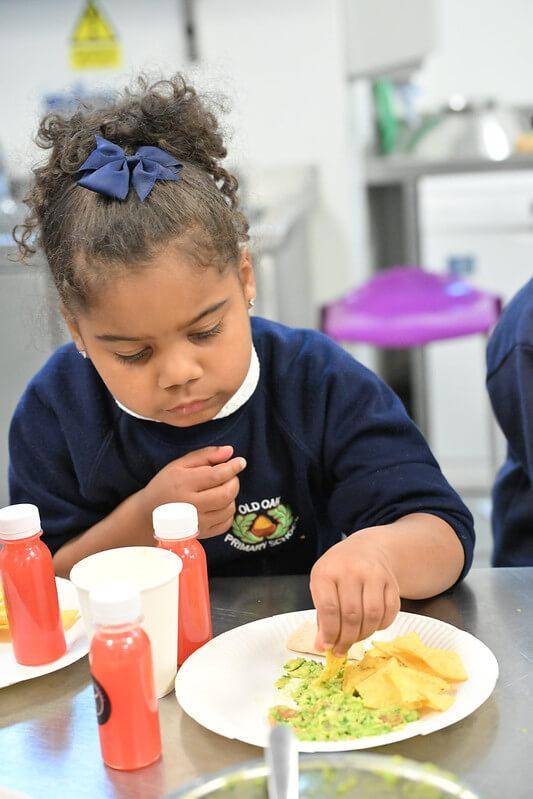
176 529
30 590
123 676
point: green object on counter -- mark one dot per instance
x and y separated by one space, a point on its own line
422 130
386 118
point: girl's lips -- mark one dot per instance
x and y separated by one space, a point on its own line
188 408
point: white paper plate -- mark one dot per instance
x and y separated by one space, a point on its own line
77 644
228 684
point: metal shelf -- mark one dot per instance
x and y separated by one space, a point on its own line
387 170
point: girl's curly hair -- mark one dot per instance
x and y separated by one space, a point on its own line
86 236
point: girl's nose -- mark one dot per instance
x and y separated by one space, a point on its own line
178 370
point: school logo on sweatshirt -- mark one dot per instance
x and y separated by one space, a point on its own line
259 525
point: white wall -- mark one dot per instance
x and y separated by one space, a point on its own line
280 63
282 66
484 50
34 58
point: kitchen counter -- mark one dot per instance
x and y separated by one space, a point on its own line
49 740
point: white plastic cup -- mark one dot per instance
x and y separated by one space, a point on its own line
155 572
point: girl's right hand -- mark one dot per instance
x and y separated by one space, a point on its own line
206 478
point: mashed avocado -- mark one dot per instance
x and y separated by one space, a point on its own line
323 712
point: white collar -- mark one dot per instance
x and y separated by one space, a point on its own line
242 395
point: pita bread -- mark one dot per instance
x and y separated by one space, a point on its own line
302 640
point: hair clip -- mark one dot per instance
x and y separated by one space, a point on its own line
109 171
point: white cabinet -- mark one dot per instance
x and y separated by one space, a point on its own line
489 218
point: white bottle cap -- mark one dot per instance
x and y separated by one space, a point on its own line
19 521
115 603
175 520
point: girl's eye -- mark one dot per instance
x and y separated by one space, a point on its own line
205 335
139 356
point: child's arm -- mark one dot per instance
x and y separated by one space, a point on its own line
126 526
193 478
411 535
357 584
206 478
78 521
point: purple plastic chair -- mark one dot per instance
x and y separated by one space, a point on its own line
406 307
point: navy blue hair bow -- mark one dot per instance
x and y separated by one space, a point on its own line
108 170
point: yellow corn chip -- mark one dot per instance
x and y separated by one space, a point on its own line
373 659
353 675
378 691
68 617
3 612
333 665
441 662
419 689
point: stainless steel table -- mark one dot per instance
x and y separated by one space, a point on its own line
49 741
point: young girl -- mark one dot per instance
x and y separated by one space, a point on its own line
298 459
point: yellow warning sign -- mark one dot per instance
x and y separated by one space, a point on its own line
94 44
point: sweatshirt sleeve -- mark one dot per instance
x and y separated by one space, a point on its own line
378 462
41 472
510 387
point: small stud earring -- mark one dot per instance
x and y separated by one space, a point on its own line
82 353
251 302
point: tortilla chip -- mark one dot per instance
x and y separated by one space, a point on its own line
378 691
355 674
402 673
333 665
302 640
413 653
383 649
68 617
421 690
388 649
3 612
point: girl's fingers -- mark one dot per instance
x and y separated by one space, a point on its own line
205 478
351 612
326 602
373 608
219 529
392 606
215 499
217 517
208 456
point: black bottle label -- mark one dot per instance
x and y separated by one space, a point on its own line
103 705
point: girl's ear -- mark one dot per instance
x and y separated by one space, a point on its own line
247 275
73 328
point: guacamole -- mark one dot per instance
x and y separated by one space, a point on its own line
324 712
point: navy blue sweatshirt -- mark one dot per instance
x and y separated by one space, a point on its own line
510 386
330 450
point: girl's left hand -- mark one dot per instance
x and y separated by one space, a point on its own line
354 591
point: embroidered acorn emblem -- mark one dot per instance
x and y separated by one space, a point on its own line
263 527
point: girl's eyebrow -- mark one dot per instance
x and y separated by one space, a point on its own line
198 318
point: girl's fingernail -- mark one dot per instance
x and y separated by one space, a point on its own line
242 463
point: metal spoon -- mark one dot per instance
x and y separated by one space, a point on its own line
282 763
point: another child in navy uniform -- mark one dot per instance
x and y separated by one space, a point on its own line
170 393
510 386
